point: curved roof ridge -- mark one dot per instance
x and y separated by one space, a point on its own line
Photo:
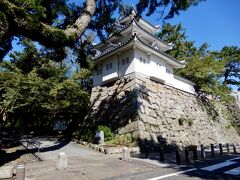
120 45
158 51
130 39
151 34
123 28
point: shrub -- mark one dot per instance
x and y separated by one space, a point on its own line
121 140
108 135
229 126
181 121
124 140
190 121
84 134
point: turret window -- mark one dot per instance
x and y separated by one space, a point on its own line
168 71
158 64
125 61
109 66
142 60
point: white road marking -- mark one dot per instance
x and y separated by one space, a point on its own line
218 166
235 171
172 174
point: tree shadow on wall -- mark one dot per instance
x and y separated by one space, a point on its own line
208 106
118 107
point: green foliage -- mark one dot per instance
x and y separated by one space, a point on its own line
229 126
181 121
36 94
84 135
204 67
159 5
230 55
121 140
115 139
188 120
108 135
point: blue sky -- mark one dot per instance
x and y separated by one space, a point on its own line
216 22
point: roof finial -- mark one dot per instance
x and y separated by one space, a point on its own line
133 11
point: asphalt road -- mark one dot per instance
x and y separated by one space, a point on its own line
224 169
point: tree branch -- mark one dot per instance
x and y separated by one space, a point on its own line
83 21
24 24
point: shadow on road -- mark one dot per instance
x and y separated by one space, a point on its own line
11 147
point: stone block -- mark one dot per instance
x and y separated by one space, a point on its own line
133 126
141 125
146 110
6 172
144 135
129 85
155 128
148 119
154 137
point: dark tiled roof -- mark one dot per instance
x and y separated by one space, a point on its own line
158 51
129 40
119 31
125 27
150 33
114 48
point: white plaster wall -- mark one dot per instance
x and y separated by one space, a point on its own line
140 67
158 67
97 78
149 69
126 68
180 84
110 73
169 76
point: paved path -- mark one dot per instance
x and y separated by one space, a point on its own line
84 163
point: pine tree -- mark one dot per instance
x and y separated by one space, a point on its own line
204 67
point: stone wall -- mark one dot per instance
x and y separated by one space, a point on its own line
157 112
235 109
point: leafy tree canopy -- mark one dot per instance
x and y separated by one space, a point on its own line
36 91
204 67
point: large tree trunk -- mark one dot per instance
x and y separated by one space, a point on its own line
23 24
83 21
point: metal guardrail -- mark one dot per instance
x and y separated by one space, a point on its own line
35 144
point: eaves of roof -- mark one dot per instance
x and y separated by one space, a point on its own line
151 34
115 48
173 59
136 22
99 58
121 30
